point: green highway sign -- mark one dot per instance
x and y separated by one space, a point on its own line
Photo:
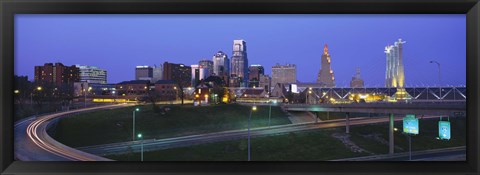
410 124
444 130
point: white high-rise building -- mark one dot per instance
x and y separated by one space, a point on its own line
92 74
394 75
198 73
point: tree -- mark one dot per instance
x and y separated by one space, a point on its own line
152 97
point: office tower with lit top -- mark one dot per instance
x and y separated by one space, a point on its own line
325 76
143 73
239 63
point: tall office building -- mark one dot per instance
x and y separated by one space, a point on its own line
325 75
157 73
394 75
357 81
221 64
179 73
92 74
254 72
208 64
284 74
198 73
239 63
143 73
57 74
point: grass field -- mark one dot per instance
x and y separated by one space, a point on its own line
109 126
312 145
303 146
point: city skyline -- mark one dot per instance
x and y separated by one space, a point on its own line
303 49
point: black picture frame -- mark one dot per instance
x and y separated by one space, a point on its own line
8 8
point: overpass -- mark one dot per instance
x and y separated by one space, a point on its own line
445 108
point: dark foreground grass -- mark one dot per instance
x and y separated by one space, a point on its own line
109 126
307 146
300 146
426 139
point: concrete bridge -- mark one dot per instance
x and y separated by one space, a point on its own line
440 108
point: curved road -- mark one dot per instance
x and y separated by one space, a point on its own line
32 143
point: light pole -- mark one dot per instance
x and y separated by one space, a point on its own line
39 88
439 78
133 123
85 96
141 143
254 108
270 111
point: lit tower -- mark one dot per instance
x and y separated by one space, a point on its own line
325 76
395 75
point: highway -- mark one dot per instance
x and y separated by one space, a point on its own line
444 154
32 143
157 144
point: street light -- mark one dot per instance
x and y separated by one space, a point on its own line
270 111
133 123
439 78
85 96
141 143
39 88
254 108
16 91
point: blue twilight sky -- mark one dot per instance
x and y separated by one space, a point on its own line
118 43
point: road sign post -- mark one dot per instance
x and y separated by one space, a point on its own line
410 127
444 129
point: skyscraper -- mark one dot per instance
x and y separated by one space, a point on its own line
143 73
92 74
284 74
221 64
357 81
208 64
239 64
394 75
325 75
254 72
